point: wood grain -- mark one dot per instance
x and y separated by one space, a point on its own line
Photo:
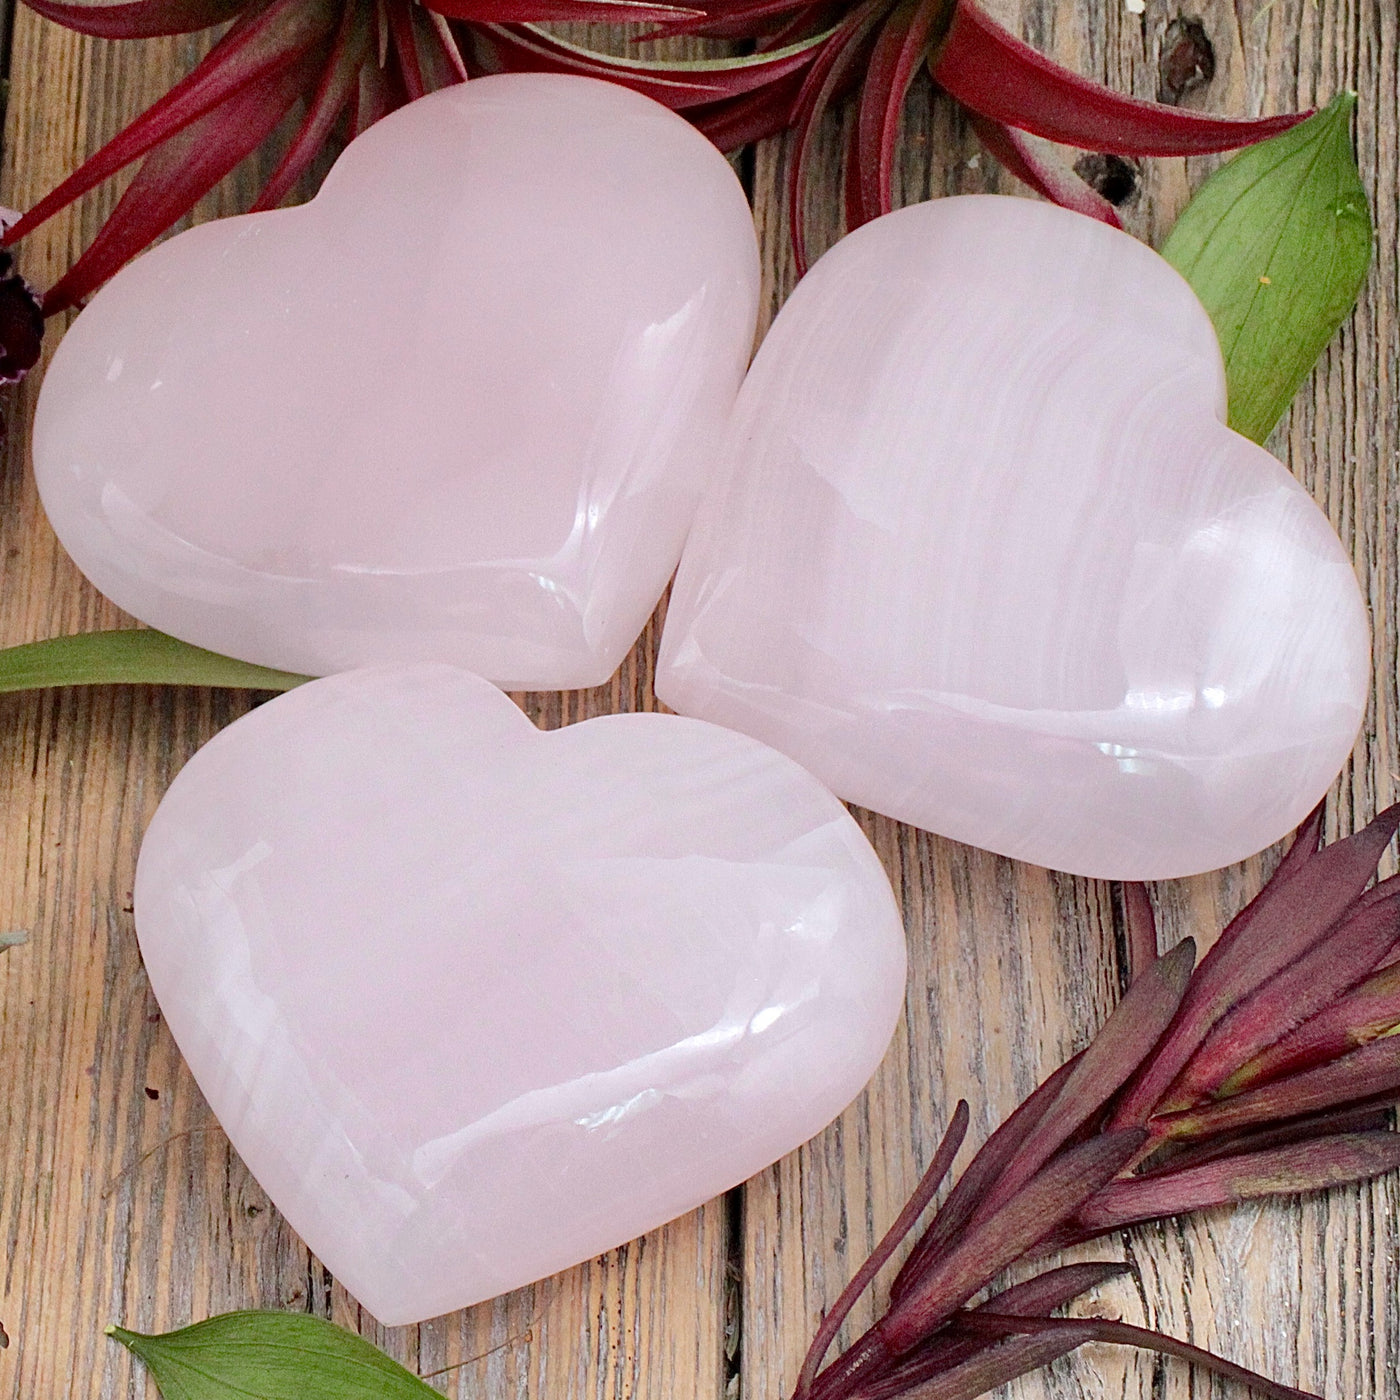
120 1198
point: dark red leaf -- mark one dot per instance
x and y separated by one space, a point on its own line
1306 1166
138 19
1302 900
1055 1287
1372 1072
995 1365
905 1221
834 67
1124 1334
1126 1038
21 323
1055 1194
982 1171
1057 184
1040 1295
1366 1012
750 117
248 59
400 21
380 92
901 47
1139 920
563 11
340 82
1333 966
993 73
500 48
438 51
178 173
726 22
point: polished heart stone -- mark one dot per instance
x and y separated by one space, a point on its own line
475 1002
459 407
983 556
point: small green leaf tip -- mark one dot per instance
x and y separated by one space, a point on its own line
1277 244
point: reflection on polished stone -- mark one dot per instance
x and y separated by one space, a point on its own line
476 1003
983 556
459 407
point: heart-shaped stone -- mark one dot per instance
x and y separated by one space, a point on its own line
475 1002
984 556
459 407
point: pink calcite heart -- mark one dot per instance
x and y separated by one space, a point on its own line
475 1002
459 407
983 556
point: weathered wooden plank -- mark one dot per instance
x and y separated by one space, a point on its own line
119 1196
1011 967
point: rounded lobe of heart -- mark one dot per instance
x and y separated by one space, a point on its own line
458 407
475 1003
984 557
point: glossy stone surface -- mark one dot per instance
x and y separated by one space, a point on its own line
475 1003
984 557
459 407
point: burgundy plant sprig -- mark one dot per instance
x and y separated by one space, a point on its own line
349 62
1268 1070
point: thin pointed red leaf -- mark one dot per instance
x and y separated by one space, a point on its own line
563 11
1010 149
996 1364
903 44
905 1221
400 19
1124 1334
1140 925
726 22
522 48
834 67
1126 1038
981 1172
750 117
340 83
177 174
1302 900
1365 1013
1335 965
277 40
1055 1287
380 93
1309 1166
138 19
1372 1072
993 73
452 66
21 323
1054 1195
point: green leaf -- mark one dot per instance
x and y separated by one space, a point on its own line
270 1356
136 657
1277 244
